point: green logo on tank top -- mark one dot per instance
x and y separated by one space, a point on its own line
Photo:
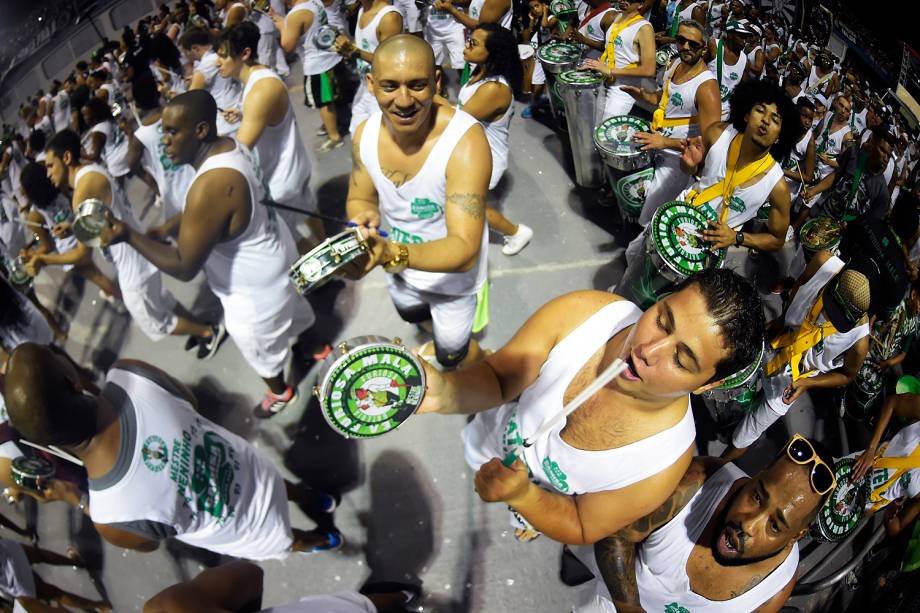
618 42
675 608
423 208
406 238
677 99
736 204
555 475
155 453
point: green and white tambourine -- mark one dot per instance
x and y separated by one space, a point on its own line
369 385
29 472
326 261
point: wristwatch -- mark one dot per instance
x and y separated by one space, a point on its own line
739 238
400 261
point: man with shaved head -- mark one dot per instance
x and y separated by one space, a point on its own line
156 468
240 245
424 169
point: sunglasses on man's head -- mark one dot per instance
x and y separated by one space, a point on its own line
694 45
800 451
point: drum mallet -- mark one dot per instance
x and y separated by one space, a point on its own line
344 222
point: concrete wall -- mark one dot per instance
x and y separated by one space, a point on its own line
56 59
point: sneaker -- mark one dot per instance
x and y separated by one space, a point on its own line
518 240
329 144
117 305
527 113
191 342
207 347
321 131
334 541
271 404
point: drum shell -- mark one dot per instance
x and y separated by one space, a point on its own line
26 476
89 222
728 406
551 69
581 110
650 279
630 187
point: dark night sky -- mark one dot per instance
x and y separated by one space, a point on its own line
12 12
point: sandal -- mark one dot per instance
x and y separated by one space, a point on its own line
271 404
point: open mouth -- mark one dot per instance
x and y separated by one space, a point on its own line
405 116
630 373
729 546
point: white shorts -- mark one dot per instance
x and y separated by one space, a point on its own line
451 316
150 304
16 578
363 106
667 183
343 602
448 50
412 17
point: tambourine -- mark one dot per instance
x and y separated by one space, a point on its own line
326 261
324 37
369 385
30 472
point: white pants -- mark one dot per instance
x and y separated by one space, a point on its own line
448 49
272 55
412 17
667 183
767 412
451 316
538 77
150 305
363 106
16 578
616 102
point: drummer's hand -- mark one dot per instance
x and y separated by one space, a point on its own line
344 45
720 235
794 390
114 231
649 140
593 64
691 151
892 520
367 220
863 464
60 230
48 491
434 388
495 482
632 90
232 115
34 265
158 233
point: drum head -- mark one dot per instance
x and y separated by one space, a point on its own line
325 37
615 135
581 79
559 53
562 8
371 389
323 263
677 231
840 515
820 233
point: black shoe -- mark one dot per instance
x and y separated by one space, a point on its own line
207 347
192 342
571 571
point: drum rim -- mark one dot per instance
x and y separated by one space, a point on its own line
555 45
721 253
822 246
735 380
16 467
329 368
322 250
601 143
598 80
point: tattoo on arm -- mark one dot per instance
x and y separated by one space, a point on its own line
616 558
753 582
472 204
397 177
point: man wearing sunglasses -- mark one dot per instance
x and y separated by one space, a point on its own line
687 104
722 541
821 340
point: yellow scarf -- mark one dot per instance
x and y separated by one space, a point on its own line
733 178
793 345
612 34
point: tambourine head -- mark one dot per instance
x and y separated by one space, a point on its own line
27 471
840 515
369 388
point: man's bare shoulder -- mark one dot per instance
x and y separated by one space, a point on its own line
217 187
574 308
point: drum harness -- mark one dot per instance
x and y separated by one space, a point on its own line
658 118
900 465
612 35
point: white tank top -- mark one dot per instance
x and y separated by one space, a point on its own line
133 269
315 60
814 83
440 25
687 13
715 17
249 273
226 91
901 445
829 143
280 150
335 13
34 329
594 30
496 131
682 103
624 49
179 474
172 180
366 37
59 211
731 75
555 464
661 566
826 356
797 156
115 151
415 211
61 112
752 56
746 200
476 9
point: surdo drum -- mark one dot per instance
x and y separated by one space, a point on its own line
580 90
734 397
326 261
31 472
629 169
557 57
369 385
820 234
840 515
674 250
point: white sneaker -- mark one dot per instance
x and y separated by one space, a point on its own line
518 240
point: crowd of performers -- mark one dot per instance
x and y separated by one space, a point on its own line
768 173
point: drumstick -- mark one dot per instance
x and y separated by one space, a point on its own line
350 224
27 222
610 373
54 451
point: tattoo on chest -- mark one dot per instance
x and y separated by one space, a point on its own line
471 204
397 177
753 582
